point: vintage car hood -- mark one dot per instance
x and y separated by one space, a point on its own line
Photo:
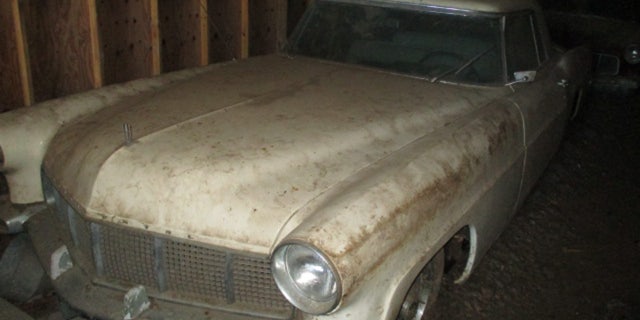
231 155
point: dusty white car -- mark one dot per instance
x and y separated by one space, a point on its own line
330 182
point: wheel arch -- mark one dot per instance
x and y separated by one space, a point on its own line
460 252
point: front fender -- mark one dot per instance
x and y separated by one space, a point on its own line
575 65
381 226
24 137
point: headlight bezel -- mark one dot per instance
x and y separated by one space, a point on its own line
291 290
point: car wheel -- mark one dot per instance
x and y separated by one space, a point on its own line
421 298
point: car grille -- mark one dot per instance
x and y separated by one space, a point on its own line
172 269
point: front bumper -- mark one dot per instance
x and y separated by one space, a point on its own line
78 289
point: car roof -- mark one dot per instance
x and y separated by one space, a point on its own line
489 6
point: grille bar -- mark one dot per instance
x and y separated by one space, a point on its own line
96 249
228 279
159 264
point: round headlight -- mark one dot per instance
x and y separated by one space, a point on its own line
306 278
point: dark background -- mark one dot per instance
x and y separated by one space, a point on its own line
620 9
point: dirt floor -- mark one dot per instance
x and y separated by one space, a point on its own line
573 250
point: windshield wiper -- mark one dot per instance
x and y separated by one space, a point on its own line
456 71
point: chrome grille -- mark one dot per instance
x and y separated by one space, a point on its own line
126 256
196 270
171 269
187 271
252 277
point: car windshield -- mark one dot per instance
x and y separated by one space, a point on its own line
443 45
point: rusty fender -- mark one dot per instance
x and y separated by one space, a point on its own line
381 226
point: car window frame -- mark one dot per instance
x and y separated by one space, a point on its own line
541 50
537 31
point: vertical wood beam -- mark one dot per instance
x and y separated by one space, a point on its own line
96 62
15 85
203 14
23 55
156 64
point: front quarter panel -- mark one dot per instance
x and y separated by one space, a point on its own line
383 225
576 66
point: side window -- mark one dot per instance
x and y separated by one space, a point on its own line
542 53
520 42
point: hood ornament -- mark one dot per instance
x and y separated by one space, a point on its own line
128 134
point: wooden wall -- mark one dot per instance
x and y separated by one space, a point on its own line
63 53
228 29
130 39
53 48
15 84
184 33
268 26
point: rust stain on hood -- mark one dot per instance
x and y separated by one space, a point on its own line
229 156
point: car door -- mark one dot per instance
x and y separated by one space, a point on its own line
542 101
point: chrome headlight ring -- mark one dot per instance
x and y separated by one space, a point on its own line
306 278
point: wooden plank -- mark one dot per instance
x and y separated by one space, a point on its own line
129 33
204 32
15 87
23 56
229 28
183 28
268 26
62 47
95 56
156 62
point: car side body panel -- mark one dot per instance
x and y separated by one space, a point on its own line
546 105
